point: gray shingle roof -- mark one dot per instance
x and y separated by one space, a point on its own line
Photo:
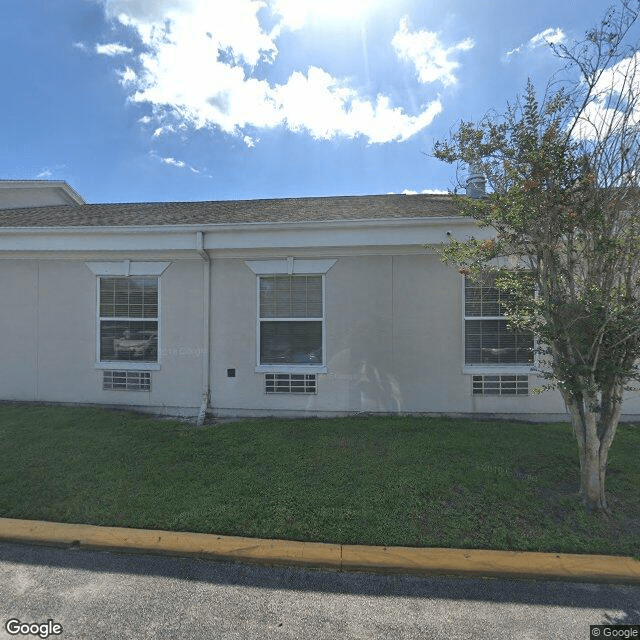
232 211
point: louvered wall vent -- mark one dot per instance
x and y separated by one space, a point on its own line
500 385
290 383
126 380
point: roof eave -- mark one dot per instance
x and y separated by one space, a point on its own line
238 226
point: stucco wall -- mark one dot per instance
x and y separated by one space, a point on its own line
393 336
18 329
179 381
66 347
48 336
394 343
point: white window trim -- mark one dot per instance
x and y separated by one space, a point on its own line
291 266
496 369
127 268
292 368
483 368
123 365
123 269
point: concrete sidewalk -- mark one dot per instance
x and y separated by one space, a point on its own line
336 557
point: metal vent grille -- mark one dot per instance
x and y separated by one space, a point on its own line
500 385
126 380
290 383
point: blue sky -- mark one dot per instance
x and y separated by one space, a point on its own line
158 100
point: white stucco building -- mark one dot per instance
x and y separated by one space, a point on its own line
310 306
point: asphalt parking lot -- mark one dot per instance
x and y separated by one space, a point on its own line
99 594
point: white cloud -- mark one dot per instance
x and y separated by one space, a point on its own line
47 173
551 35
199 67
173 162
127 76
432 60
548 36
411 192
163 130
113 49
320 105
250 142
203 27
620 84
82 46
148 11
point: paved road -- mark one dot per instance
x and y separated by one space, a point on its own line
104 595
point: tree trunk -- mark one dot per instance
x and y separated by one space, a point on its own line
592 471
593 450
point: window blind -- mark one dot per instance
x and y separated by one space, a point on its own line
129 319
290 319
487 338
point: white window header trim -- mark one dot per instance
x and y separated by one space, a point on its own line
127 268
290 266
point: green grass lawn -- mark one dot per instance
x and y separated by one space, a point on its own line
375 480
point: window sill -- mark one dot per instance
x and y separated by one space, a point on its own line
291 368
129 366
497 369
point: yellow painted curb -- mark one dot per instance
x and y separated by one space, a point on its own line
399 560
486 563
172 543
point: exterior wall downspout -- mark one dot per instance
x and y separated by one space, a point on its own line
206 356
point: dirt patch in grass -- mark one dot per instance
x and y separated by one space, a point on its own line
562 504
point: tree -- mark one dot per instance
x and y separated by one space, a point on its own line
564 205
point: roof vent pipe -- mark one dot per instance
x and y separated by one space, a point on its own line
476 184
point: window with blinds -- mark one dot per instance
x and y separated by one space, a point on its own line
128 317
487 339
290 318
